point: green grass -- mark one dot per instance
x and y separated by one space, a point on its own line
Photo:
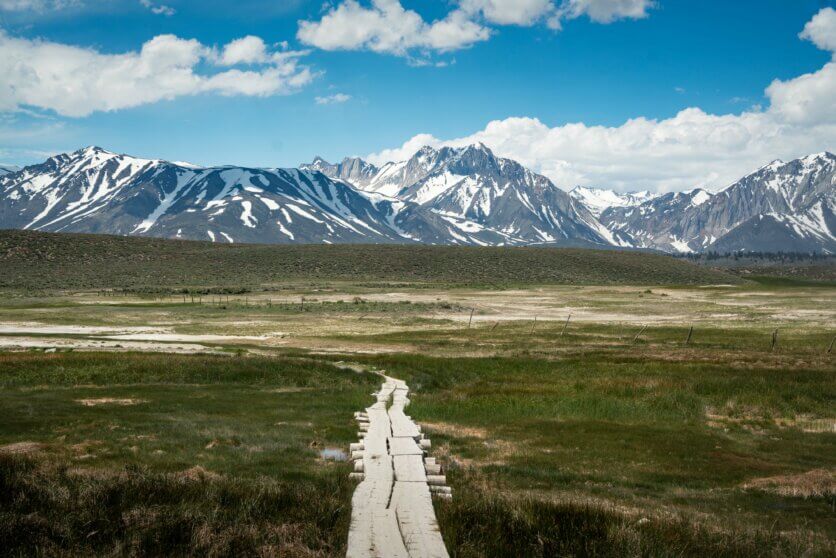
544 339
674 437
262 416
639 450
588 443
113 478
479 523
41 262
52 510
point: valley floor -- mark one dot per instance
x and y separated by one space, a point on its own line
151 423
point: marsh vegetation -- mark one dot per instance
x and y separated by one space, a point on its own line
637 420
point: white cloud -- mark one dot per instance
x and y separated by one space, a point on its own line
36 5
529 12
246 50
809 99
158 9
509 12
821 30
387 27
334 99
605 11
693 148
76 81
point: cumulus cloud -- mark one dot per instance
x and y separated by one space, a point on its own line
509 12
335 99
387 27
821 30
76 81
530 12
605 11
693 148
246 50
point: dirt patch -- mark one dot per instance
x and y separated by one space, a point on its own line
110 401
808 424
815 483
41 328
21 448
24 343
187 338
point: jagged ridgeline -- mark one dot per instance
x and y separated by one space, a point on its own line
455 196
476 199
31 260
781 207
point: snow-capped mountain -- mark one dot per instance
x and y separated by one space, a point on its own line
352 170
662 223
597 200
472 185
795 202
93 190
461 195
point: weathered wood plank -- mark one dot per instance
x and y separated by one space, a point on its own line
416 518
404 446
402 427
392 511
409 468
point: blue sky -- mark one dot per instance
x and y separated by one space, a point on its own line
714 56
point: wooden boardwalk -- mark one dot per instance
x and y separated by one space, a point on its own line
392 511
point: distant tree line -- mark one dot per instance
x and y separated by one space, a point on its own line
772 257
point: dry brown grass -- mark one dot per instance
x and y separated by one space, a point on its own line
812 484
197 473
455 430
19 448
109 401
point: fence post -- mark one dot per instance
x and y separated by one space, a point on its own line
636 338
566 324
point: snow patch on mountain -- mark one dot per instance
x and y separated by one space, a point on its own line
598 199
464 195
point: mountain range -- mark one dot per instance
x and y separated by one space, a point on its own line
464 195
779 207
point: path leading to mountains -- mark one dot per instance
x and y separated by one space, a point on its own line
392 513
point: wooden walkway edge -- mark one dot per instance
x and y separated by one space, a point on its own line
392 513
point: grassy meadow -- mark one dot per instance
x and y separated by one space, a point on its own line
572 419
147 454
